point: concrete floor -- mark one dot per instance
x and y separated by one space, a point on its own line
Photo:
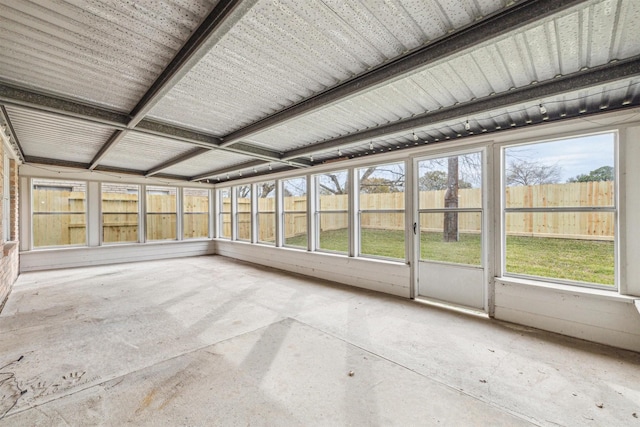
212 341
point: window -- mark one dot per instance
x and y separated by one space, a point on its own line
332 216
295 212
59 213
6 200
120 207
243 212
450 209
195 217
224 209
381 211
266 215
560 210
162 213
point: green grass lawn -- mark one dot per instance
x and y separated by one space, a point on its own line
578 260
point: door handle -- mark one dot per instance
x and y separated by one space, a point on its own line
414 227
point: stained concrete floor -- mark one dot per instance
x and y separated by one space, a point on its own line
211 341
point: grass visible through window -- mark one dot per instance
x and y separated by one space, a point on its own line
569 259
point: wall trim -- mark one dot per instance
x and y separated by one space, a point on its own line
49 259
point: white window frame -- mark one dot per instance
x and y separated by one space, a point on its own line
615 209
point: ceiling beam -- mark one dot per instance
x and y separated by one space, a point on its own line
224 15
230 169
260 153
175 161
115 137
582 79
19 97
491 27
220 20
12 134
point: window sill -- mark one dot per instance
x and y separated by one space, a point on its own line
611 295
7 247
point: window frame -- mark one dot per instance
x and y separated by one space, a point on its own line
286 212
6 198
359 211
444 210
614 209
319 211
32 183
147 213
102 213
220 200
237 212
184 213
272 213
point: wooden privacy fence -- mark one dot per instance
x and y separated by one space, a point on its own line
59 215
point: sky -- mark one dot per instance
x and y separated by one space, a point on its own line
574 156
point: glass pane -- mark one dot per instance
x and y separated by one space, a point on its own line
120 213
266 190
196 213
225 225
451 182
575 246
333 190
333 233
59 213
225 199
161 213
567 173
382 187
244 198
295 229
267 228
295 217
244 226
266 194
382 234
295 194
243 208
451 237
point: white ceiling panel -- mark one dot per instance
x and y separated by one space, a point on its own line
102 52
518 59
211 161
143 152
55 137
286 50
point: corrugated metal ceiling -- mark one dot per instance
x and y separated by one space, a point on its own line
102 52
586 37
284 51
143 152
213 160
48 136
281 52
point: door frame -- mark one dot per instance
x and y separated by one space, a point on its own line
490 180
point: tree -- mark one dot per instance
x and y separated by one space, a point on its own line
266 189
451 201
385 181
603 173
530 172
437 180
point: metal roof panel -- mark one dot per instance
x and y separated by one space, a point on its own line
102 52
55 137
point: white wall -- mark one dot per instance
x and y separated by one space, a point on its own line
47 259
382 276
